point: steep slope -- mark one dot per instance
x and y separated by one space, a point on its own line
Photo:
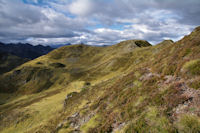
9 62
121 88
25 50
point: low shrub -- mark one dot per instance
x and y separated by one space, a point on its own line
192 67
188 124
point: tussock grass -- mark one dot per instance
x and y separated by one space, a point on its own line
192 67
188 124
121 95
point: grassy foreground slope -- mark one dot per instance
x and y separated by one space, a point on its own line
126 87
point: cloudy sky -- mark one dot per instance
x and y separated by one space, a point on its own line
96 22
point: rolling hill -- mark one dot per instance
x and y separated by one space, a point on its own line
9 62
128 87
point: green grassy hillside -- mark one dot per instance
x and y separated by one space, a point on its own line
9 62
129 87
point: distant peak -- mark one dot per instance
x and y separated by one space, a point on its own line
142 43
136 43
169 41
166 42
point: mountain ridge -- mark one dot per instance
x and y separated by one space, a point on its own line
24 50
119 88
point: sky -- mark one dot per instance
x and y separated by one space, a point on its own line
96 22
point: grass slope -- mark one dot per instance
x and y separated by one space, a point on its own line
9 62
127 87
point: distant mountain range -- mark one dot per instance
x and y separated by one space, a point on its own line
59 45
24 50
15 54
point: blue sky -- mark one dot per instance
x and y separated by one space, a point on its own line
96 22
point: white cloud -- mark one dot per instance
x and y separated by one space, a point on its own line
81 7
96 21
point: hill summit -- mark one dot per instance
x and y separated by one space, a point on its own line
128 87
